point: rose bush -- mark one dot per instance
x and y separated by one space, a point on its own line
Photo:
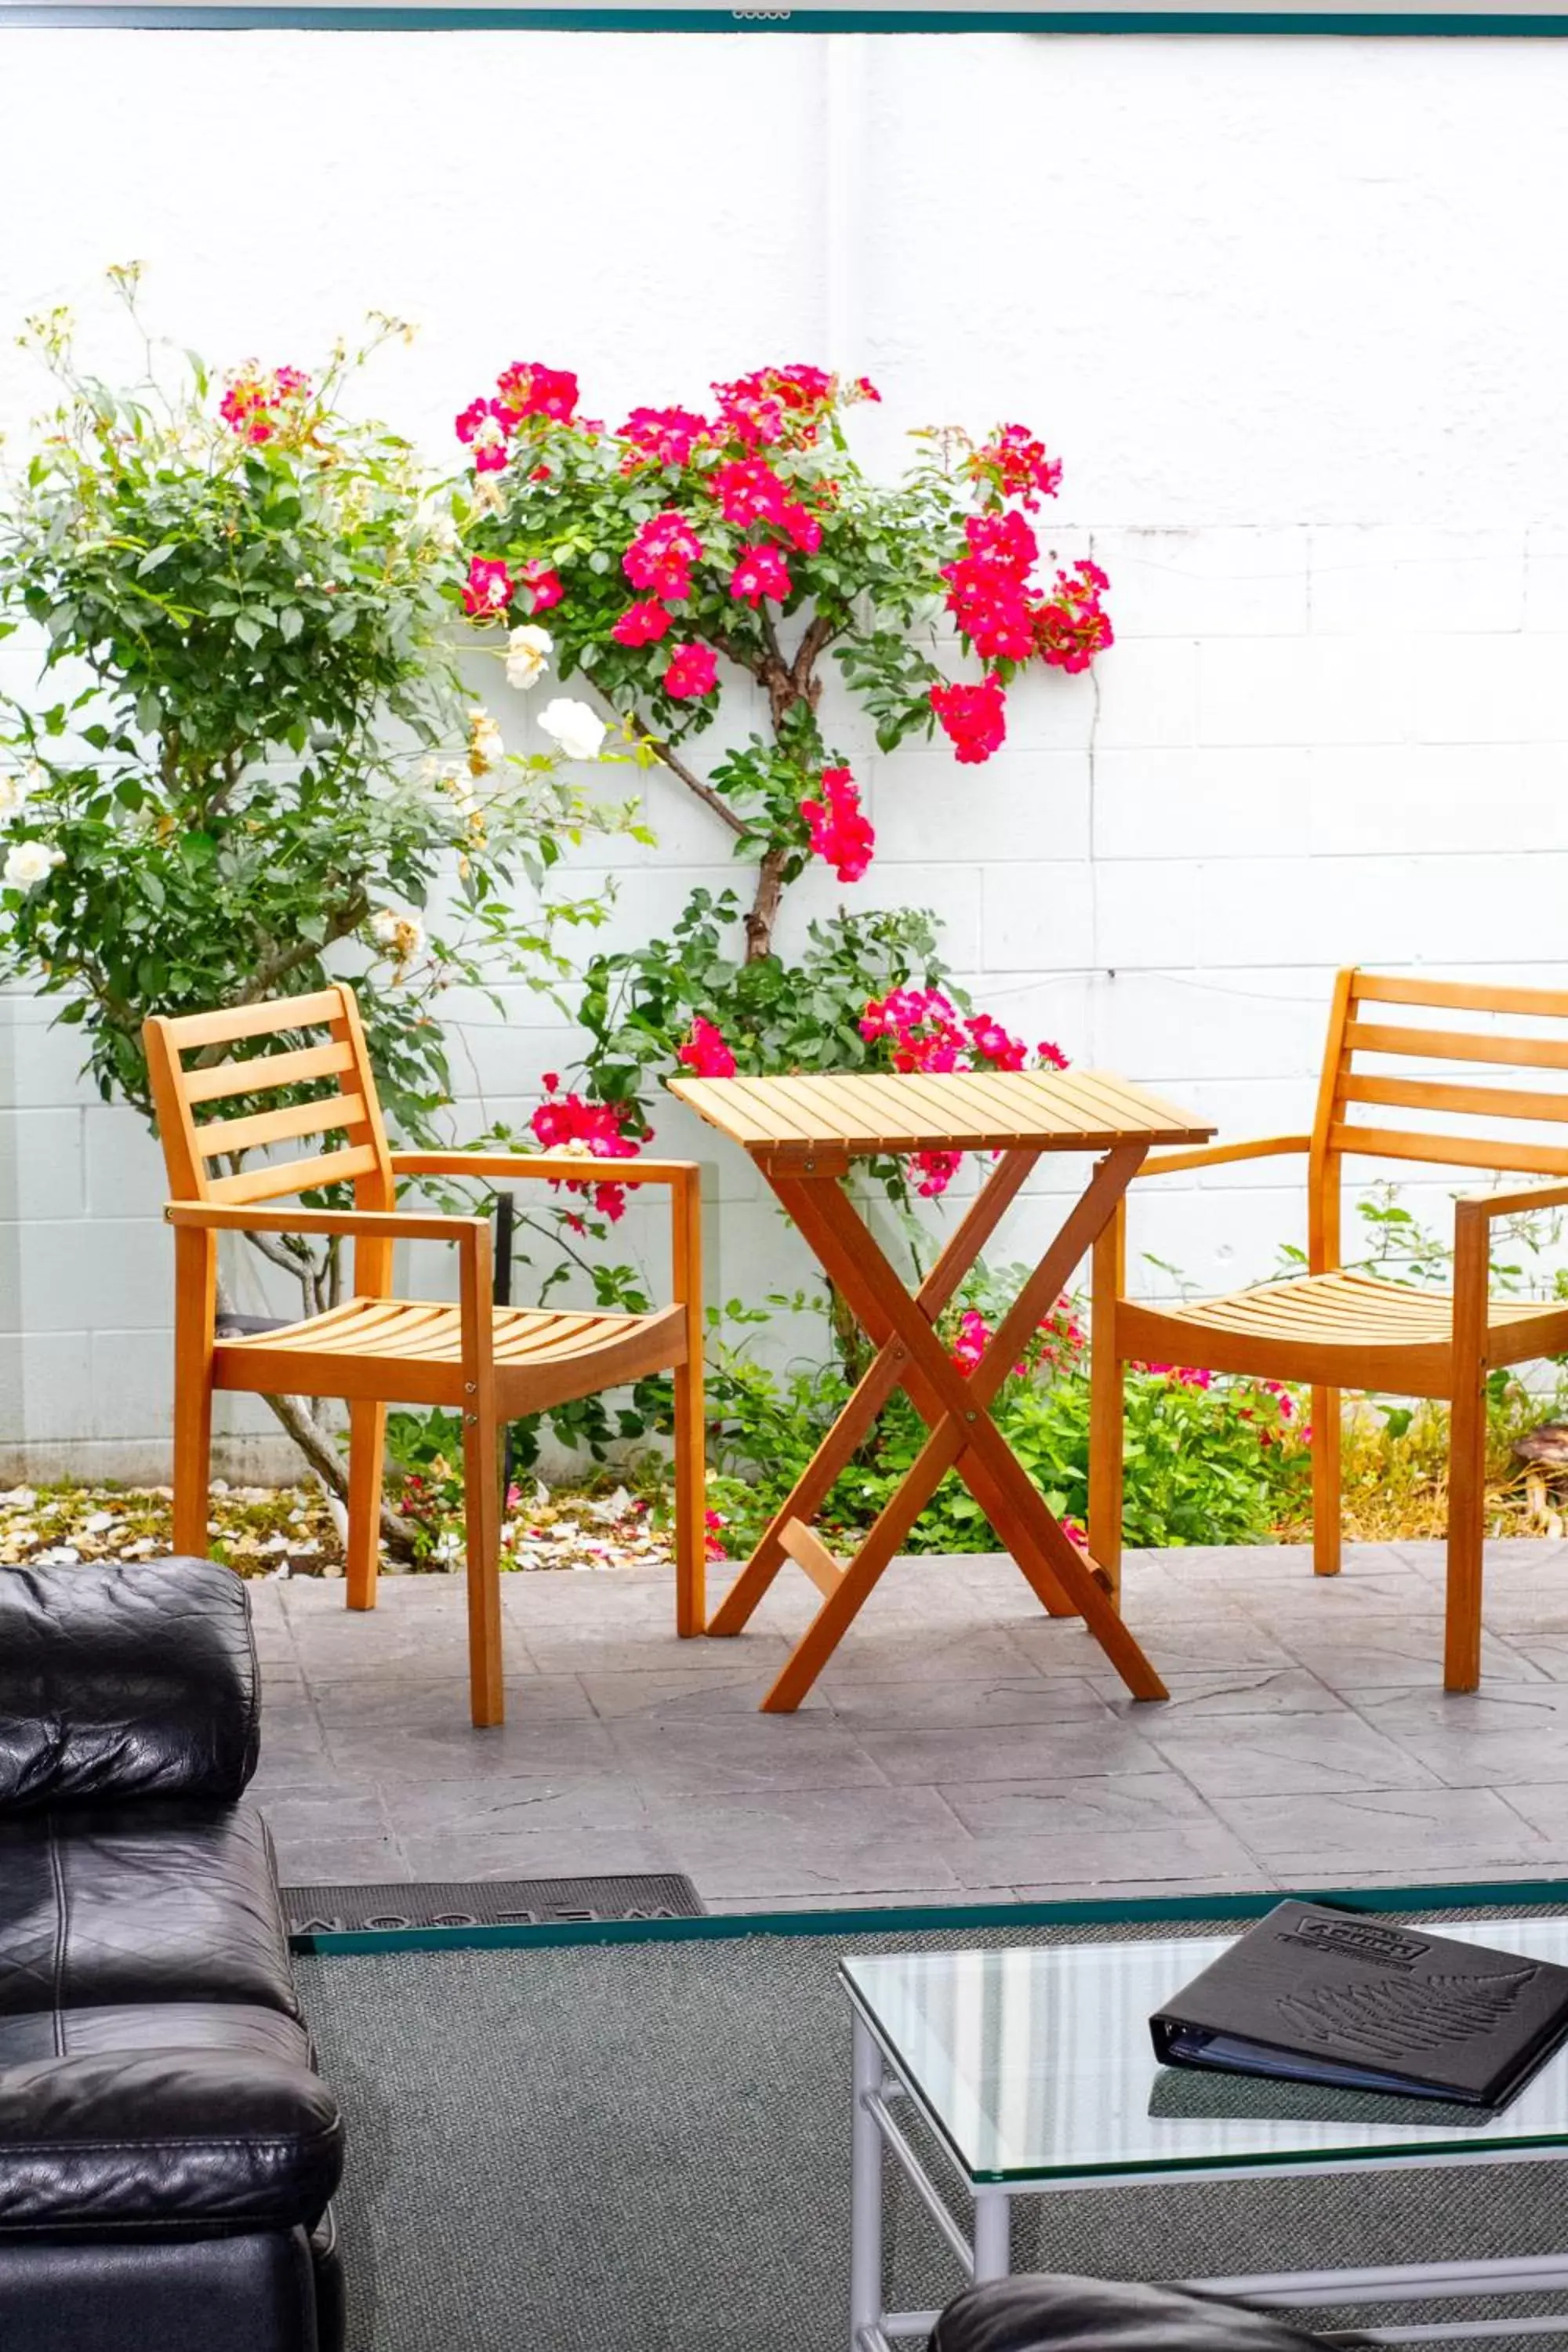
688 561
249 751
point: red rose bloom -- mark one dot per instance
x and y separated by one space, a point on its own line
995 1045
748 490
529 388
1015 463
693 670
641 625
488 588
1003 540
661 555
570 1123
546 583
483 427
1072 626
803 527
840 831
705 1052
974 718
776 404
664 437
761 571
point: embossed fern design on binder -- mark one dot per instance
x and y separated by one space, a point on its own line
1388 2018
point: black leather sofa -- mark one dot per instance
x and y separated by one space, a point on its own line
1044 2311
168 2150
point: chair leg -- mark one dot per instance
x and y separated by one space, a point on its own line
1466 1533
1327 1437
367 1447
192 1465
195 1278
482 1520
1107 1406
690 1502
690 1429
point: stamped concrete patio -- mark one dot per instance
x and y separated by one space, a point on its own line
960 1743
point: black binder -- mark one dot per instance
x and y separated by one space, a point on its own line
1314 1995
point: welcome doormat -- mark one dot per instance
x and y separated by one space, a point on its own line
312 1911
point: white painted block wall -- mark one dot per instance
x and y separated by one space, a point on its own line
1289 310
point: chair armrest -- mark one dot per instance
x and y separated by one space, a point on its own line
139 2141
684 1178
1473 1217
1219 1155
389 1225
558 1166
1488 1205
123 1679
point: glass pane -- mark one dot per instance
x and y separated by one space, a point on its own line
1038 2063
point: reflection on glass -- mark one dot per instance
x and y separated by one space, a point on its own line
1037 2062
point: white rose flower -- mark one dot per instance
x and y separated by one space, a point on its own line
486 749
14 789
455 777
399 930
574 727
435 525
27 862
528 650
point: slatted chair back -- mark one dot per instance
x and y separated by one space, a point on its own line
198 1075
1397 1085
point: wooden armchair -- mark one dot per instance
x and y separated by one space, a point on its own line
1339 1329
491 1363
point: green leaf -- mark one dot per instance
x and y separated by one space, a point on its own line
153 557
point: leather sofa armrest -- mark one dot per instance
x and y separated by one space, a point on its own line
1048 2312
164 2140
125 1679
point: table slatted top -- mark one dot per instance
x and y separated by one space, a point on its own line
1048 1110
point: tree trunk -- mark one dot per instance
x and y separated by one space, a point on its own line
295 1415
765 905
326 1462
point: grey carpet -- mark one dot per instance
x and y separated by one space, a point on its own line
644 2149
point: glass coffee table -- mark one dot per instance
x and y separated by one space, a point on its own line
1033 2071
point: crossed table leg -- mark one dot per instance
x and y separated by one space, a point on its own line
961 1434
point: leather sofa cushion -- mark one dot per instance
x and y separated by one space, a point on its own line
1046 2311
120 1904
125 1679
174 2116
212 2293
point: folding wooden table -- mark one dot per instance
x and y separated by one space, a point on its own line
803 1133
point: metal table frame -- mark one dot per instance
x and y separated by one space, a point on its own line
880 2085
